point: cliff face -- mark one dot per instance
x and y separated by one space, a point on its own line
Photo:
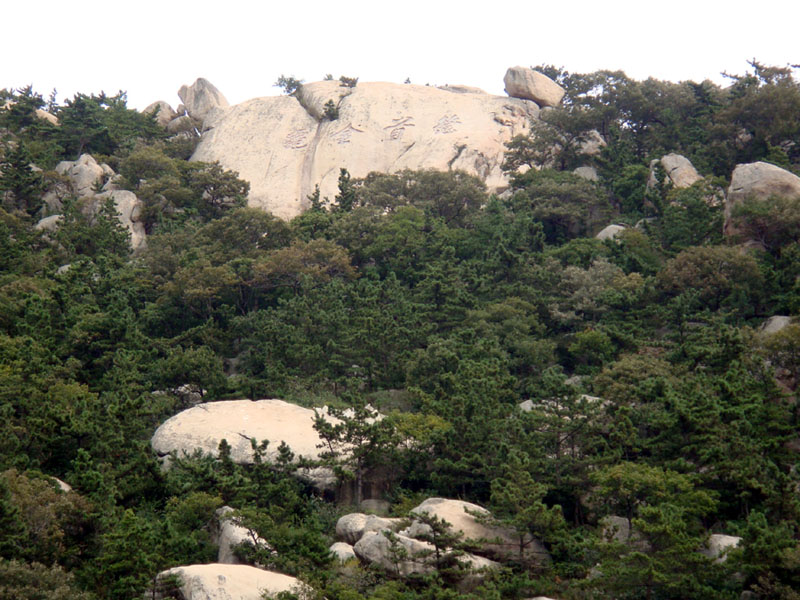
285 145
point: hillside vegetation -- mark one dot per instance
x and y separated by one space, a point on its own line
653 394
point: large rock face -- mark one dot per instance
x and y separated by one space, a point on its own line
284 147
229 582
522 82
759 181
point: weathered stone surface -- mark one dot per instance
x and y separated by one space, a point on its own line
62 485
461 89
679 170
593 144
522 82
351 528
83 173
284 150
375 549
718 546
46 116
610 232
165 112
229 582
49 223
588 173
314 96
181 124
343 552
202 99
129 208
505 543
774 324
759 181
230 534
202 427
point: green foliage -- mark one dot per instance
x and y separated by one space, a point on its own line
331 111
289 85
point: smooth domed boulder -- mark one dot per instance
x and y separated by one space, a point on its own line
461 517
774 324
165 112
84 174
49 223
204 426
610 232
522 82
679 171
587 173
201 99
718 546
227 582
758 181
351 528
343 552
282 148
376 549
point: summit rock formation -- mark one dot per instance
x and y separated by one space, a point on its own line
286 145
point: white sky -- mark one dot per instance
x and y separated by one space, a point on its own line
151 48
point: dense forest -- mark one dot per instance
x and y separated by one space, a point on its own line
653 394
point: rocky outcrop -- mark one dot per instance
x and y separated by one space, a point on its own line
165 112
49 223
774 324
343 552
679 171
84 174
377 549
285 147
610 232
351 528
522 82
202 100
497 542
225 582
588 173
86 177
231 534
129 208
718 546
204 426
758 181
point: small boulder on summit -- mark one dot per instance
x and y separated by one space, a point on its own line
202 99
525 83
718 546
